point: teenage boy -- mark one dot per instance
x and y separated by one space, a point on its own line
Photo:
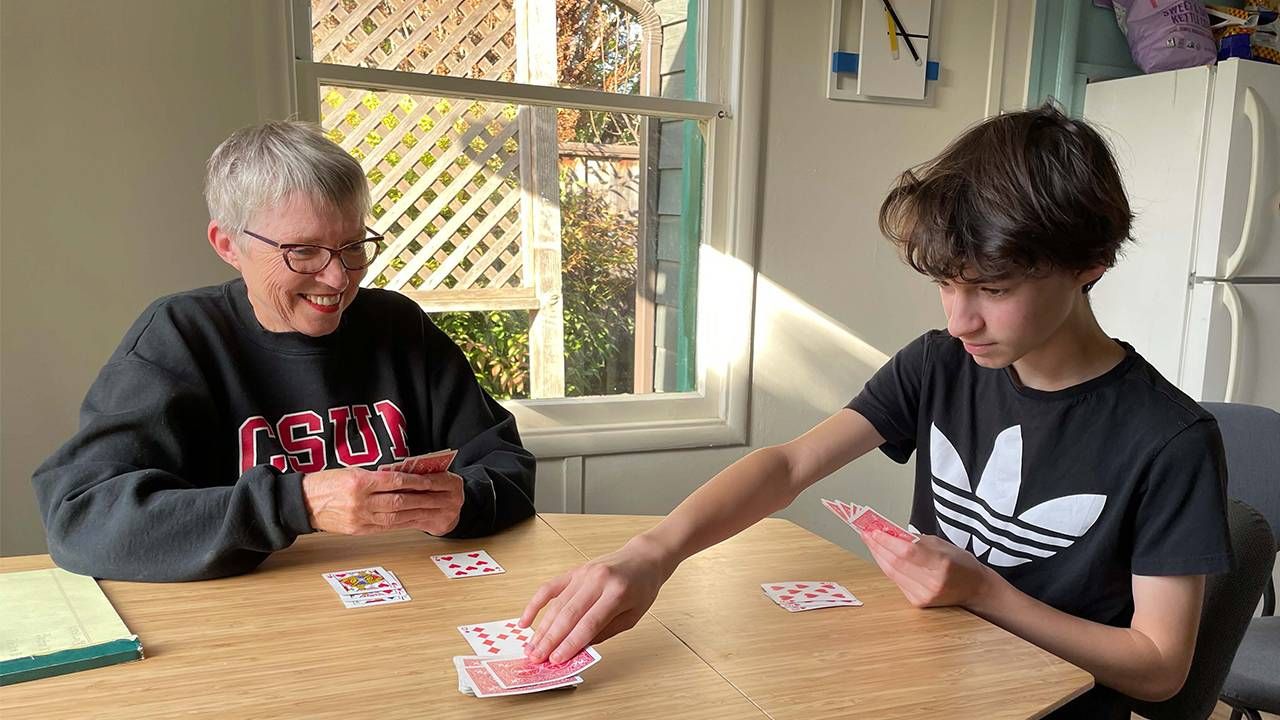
1064 490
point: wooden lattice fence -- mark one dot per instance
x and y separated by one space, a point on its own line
465 192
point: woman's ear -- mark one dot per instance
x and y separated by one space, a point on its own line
224 245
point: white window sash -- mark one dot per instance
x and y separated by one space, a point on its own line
716 413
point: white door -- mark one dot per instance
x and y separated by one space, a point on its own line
1155 125
1239 228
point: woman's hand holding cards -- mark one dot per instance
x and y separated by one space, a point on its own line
352 501
597 600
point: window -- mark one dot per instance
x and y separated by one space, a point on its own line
556 182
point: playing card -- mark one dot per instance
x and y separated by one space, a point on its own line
353 582
497 637
868 520
475 679
435 462
467 564
519 672
802 592
841 509
386 597
802 607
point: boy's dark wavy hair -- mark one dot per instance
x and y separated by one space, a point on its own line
1021 194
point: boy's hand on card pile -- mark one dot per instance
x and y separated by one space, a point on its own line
595 601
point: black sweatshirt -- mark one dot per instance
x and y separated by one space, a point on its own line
195 436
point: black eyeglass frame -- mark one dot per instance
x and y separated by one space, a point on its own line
333 252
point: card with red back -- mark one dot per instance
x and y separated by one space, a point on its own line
868 520
470 563
497 637
519 672
482 683
434 462
841 509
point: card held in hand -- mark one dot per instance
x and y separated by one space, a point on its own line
868 520
434 462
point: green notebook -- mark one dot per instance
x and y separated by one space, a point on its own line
54 622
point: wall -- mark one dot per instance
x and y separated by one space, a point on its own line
109 113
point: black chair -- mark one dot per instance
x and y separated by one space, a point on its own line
1231 598
1251 435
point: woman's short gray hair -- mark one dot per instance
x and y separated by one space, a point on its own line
261 165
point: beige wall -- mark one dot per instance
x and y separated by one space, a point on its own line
109 110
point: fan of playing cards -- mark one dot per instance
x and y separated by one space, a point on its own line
499 668
865 519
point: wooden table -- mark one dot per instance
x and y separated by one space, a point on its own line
885 659
279 643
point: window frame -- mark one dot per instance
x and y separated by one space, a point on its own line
716 413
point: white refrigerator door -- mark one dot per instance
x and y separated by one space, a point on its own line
1233 344
1155 125
1239 228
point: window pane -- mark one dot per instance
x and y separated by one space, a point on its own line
619 46
557 247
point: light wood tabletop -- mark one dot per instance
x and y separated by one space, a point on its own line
885 659
278 642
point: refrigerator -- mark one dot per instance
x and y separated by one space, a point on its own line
1198 293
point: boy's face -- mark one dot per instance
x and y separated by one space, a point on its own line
1000 322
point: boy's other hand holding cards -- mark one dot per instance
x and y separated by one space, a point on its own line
416 493
930 571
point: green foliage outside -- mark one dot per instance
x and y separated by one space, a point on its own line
597 46
598 248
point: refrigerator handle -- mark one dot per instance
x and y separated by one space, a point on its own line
1254 115
1231 299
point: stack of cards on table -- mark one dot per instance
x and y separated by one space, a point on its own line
801 595
367 586
435 462
864 518
499 668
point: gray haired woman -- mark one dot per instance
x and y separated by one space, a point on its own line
232 419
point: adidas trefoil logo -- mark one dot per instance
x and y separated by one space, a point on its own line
985 516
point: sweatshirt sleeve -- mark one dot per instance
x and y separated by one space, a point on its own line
497 471
133 494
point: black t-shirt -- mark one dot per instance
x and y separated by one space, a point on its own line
1065 494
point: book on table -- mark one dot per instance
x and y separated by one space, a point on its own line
54 622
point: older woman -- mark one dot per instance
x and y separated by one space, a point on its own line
233 419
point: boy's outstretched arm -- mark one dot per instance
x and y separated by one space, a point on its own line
609 594
1148 660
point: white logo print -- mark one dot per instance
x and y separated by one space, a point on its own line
985 516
